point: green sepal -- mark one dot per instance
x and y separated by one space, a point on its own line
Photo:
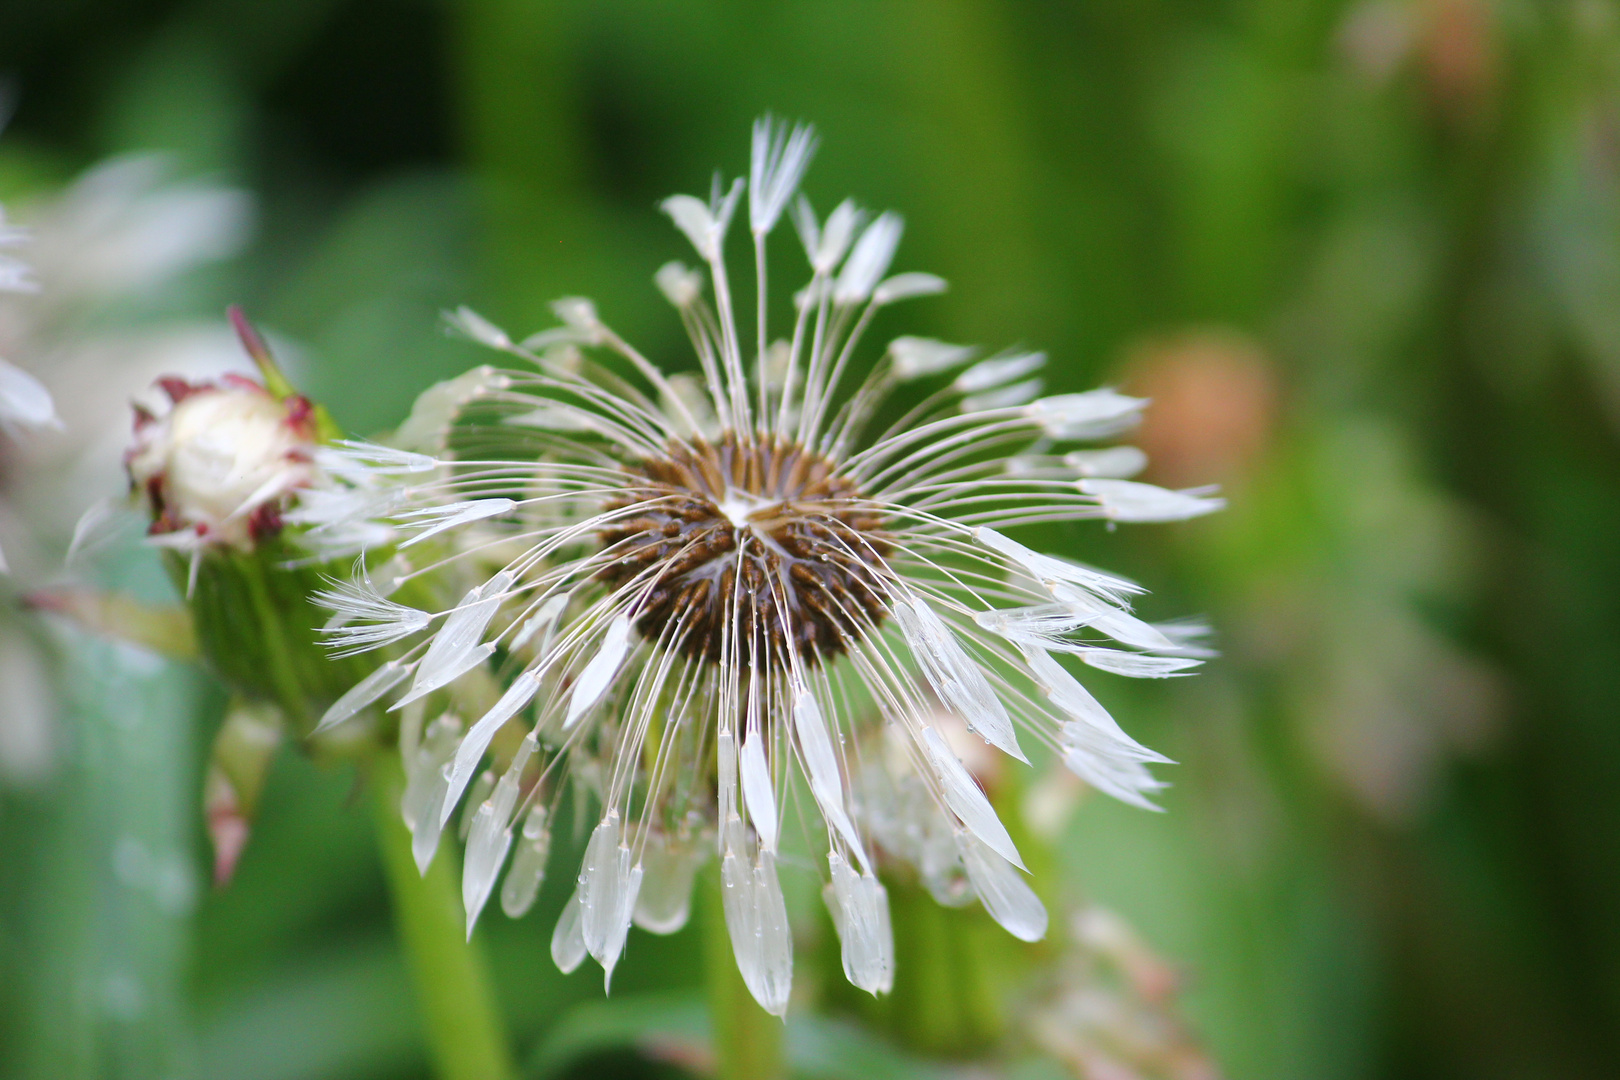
256 628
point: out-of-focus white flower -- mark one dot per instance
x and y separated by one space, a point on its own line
25 404
77 286
101 253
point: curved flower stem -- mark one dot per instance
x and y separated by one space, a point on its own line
747 1039
463 1026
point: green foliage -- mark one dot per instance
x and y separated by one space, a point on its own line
1386 232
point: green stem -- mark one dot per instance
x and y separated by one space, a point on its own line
943 1001
747 1039
458 1008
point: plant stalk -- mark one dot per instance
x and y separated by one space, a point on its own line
462 1022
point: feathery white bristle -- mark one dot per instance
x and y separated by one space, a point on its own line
1067 693
1004 397
598 674
869 260
908 286
366 692
779 159
1046 568
821 766
954 675
1130 501
424 788
608 884
528 869
664 902
966 800
491 836
1095 414
456 648
1096 759
568 938
915 357
477 740
680 284
1003 892
434 520
758 797
998 371
1135 665
859 906
381 621
1115 462
541 623
480 329
24 401
357 457
761 939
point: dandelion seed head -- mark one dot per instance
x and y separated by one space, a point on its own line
696 585
764 535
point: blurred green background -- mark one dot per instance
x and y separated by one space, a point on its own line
1366 258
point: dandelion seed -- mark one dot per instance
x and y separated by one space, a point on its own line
915 357
699 575
1127 500
906 287
998 371
1095 414
381 621
869 260
1116 462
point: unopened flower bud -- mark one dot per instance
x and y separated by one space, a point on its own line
219 466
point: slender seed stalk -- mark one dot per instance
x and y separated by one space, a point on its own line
465 1034
747 1039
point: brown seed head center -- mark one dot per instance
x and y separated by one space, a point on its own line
743 547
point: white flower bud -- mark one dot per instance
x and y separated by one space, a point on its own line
220 464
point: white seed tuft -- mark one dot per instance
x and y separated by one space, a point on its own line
859 906
471 750
966 801
436 519
821 768
1005 397
1095 414
954 675
870 259
362 694
756 917
908 286
478 328
998 371
758 796
665 900
528 870
1004 894
779 159
1116 462
680 284
598 674
915 357
24 401
1130 501
568 939
608 883
424 788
